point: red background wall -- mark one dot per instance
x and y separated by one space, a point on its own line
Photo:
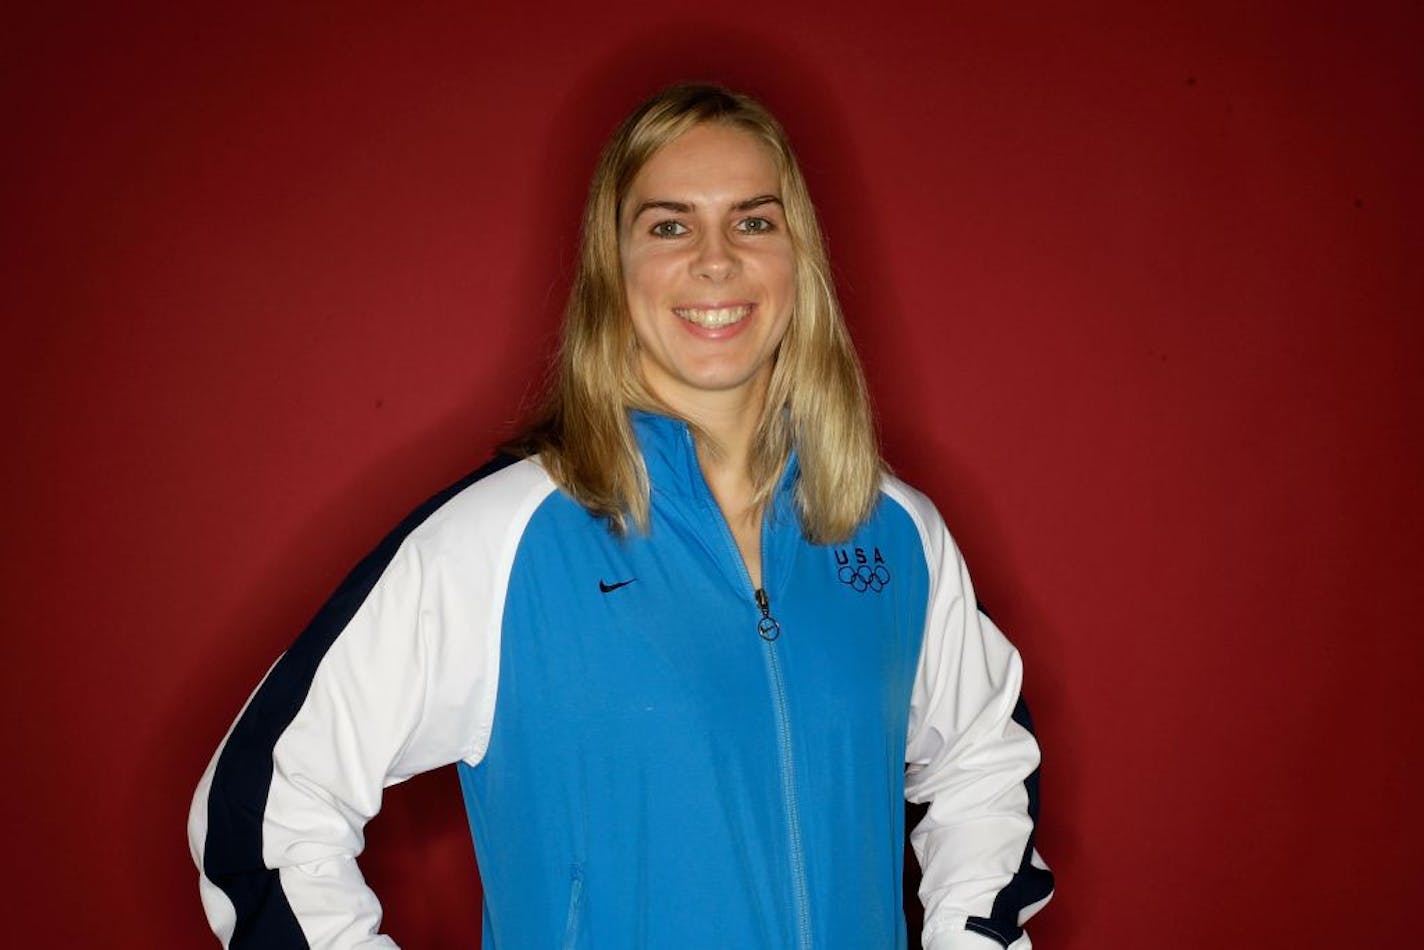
1138 290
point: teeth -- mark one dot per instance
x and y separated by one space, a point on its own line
715 317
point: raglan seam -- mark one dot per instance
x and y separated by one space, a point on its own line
483 732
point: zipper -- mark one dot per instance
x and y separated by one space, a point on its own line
769 630
767 627
788 770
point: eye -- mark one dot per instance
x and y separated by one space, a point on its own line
755 226
667 229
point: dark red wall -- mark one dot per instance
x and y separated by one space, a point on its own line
1139 292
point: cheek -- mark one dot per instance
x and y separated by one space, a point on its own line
641 292
643 280
778 267
781 278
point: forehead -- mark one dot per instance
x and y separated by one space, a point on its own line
710 162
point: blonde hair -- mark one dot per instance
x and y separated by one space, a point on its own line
816 400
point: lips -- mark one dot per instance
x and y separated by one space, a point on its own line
714 318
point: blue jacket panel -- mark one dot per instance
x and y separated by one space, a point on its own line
688 781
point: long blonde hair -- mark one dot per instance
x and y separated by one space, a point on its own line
816 400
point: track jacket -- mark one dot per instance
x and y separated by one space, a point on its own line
652 754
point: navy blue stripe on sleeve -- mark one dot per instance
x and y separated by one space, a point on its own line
242 777
1030 884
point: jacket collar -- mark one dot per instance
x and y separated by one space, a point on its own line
671 458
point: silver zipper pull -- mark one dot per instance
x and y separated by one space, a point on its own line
767 627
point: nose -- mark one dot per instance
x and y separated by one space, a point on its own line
716 258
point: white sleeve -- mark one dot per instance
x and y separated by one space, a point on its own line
971 755
396 675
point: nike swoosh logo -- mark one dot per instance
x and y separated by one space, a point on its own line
606 588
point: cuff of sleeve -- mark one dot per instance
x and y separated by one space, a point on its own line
951 935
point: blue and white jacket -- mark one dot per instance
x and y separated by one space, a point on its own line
652 754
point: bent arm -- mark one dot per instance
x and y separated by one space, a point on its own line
971 755
278 818
396 675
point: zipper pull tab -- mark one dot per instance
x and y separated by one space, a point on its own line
767 627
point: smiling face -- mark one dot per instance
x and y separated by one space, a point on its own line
708 269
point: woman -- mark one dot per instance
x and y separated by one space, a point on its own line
695 632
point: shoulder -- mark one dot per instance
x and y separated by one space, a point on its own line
918 508
941 551
486 511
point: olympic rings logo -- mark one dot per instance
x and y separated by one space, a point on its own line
862 571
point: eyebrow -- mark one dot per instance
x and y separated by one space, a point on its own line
756 202
683 207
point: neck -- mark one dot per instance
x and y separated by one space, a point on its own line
728 423
726 445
